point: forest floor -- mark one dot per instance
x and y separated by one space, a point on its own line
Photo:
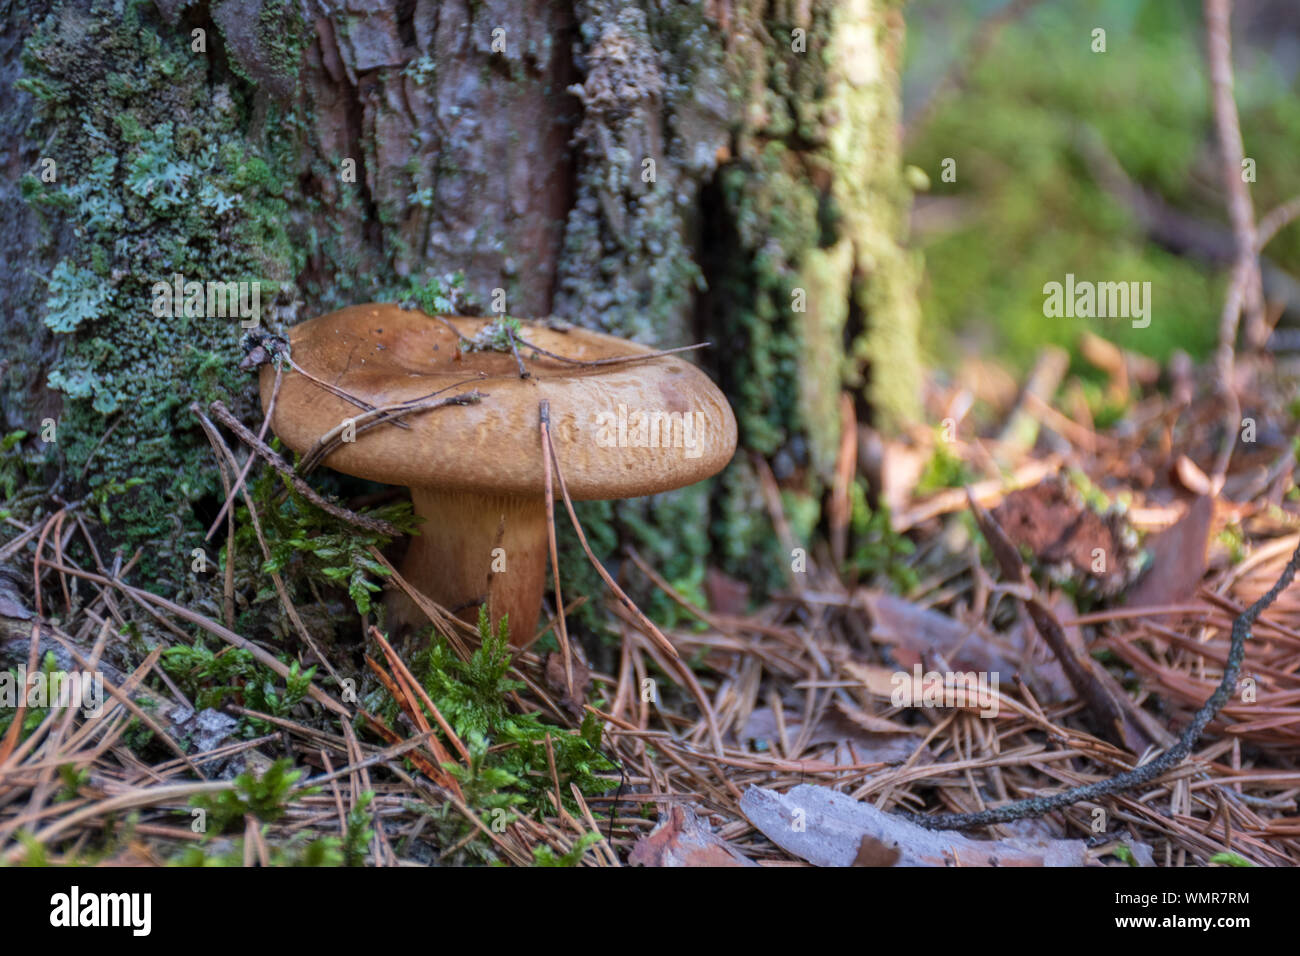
1140 527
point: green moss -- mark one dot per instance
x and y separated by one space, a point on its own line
813 291
512 755
282 35
265 40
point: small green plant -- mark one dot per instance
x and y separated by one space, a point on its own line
1233 537
1230 859
73 779
111 489
307 541
445 296
265 797
360 830
509 768
34 716
545 856
945 469
1105 408
1124 854
212 678
36 854
1093 496
877 548
298 850
11 462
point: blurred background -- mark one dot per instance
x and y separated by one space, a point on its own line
1104 165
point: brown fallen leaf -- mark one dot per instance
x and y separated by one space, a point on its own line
916 632
1177 559
871 852
681 839
900 623
1053 522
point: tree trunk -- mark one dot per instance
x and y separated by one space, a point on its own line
724 171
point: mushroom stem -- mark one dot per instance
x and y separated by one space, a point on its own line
454 559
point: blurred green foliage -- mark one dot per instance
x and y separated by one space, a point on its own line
1032 211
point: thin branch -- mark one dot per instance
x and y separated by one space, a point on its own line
386 415
335 390
1276 220
614 360
1232 152
645 622
261 434
514 350
617 359
222 414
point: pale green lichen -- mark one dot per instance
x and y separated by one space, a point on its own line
157 176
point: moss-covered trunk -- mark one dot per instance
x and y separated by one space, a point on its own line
670 171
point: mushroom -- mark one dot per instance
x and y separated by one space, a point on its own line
476 471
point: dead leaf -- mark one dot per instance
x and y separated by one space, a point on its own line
900 623
681 839
827 828
1177 559
1052 521
871 852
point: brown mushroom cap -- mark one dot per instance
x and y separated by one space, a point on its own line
383 354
